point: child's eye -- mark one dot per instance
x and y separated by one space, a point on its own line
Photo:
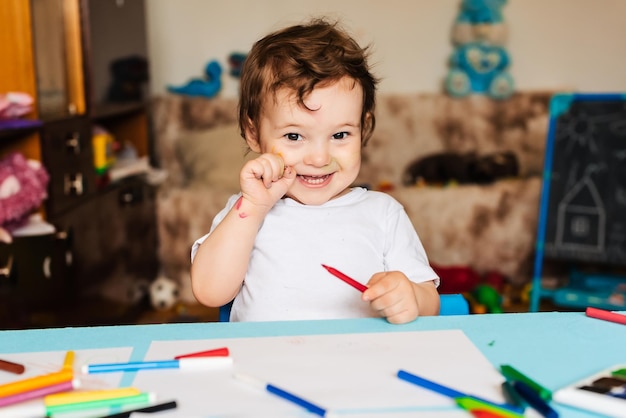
292 136
340 135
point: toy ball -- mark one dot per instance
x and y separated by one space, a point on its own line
163 293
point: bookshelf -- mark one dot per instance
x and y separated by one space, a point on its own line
58 52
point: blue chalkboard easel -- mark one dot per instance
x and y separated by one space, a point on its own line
582 214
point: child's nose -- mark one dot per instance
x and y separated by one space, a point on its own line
318 154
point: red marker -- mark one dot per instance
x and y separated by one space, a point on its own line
605 315
347 279
216 352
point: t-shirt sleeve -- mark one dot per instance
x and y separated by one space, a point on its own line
216 221
404 250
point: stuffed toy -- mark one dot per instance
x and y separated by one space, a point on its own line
129 75
479 62
479 68
235 62
206 87
480 20
23 186
15 104
461 168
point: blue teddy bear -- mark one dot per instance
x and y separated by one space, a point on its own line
480 68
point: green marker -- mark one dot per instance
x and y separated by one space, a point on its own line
512 374
621 373
141 399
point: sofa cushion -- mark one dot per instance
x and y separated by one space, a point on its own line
212 157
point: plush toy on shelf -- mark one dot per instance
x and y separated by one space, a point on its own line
23 187
208 86
479 62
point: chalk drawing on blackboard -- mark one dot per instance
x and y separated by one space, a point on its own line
582 215
578 130
581 218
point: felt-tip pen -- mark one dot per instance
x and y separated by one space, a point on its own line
512 374
453 393
295 399
534 399
192 363
358 286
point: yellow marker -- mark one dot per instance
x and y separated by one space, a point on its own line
68 362
36 382
89 396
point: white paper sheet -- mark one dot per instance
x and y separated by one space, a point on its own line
350 374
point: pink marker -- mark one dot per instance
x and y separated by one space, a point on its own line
39 392
606 315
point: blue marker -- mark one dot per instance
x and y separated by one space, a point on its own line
449 392
192 363
317 410
534 400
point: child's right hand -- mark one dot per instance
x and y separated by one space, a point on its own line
265 180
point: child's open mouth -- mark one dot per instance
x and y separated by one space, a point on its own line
315 180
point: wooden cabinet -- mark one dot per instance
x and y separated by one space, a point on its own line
63 53
17 72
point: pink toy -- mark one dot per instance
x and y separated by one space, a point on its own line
14 105
23 186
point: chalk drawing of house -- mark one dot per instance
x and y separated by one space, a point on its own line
581 219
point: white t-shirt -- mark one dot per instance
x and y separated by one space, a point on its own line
359 234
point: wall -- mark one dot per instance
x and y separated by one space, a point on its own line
578 44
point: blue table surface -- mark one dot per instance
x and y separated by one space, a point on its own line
554 348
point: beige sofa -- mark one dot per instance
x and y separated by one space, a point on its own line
486 227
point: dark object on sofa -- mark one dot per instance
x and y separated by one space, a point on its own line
128 75
461 168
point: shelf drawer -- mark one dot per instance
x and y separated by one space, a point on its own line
113 234
34 275
68 156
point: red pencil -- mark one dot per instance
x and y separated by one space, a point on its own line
605 315
347 279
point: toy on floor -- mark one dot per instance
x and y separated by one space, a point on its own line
456 279
481 292
208 86
163 293
488 299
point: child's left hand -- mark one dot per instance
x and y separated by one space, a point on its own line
394 296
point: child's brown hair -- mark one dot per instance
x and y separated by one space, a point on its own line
300 58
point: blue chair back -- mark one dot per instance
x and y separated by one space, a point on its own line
454 304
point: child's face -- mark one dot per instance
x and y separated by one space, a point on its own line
323 145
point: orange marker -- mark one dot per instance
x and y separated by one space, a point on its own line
36 382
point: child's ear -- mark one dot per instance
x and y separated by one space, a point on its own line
252 137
